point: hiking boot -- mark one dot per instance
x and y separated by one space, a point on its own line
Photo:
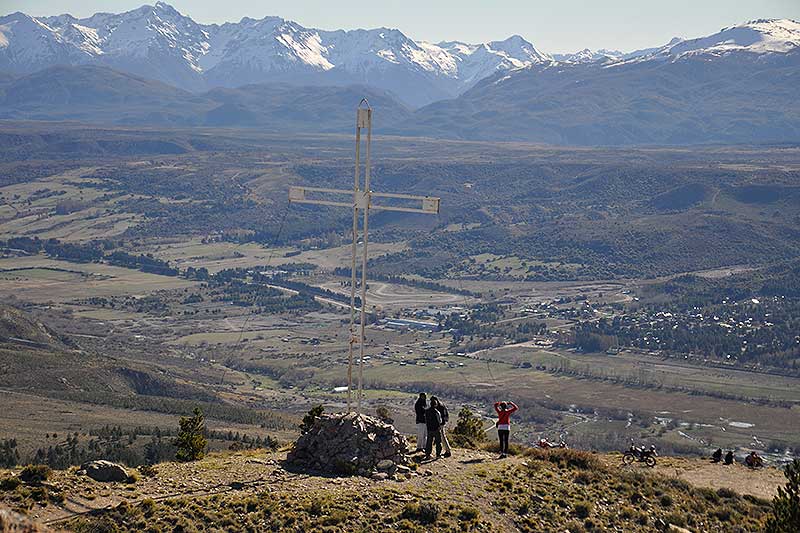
447 454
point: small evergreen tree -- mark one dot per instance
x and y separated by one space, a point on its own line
786 504
468 432
191 440
383 414
310 418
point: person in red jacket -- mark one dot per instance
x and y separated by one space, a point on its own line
504 410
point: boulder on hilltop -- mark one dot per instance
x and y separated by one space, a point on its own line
105 471
348 444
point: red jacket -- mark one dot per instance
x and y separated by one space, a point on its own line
503 417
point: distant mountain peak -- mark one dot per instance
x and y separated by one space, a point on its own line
157 41
758 36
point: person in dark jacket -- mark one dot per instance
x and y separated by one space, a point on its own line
433 422
716 457
729 457
422 434
445 418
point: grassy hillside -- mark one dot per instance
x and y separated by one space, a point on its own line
472 491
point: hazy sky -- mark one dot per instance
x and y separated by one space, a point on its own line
551 25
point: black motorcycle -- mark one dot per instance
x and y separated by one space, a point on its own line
641 455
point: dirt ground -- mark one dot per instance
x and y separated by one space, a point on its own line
244 473
763 482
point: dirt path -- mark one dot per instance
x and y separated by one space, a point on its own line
762 483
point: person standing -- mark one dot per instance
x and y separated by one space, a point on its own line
504 411
422 435
433 421
445 418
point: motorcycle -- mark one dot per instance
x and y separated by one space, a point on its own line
546 444
641 455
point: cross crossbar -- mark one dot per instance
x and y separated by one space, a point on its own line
430 205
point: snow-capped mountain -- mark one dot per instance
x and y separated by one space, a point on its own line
739 85
762 36
754 37
603 54
159 42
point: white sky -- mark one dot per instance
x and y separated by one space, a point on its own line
552 26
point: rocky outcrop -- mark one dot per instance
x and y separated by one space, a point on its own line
350 444
105 471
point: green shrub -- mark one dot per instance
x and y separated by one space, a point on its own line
40 494
35 474
147 506
424 513
726 493
575 527
724 514
383 414
786 504
310 418
468 431
494 447
316 507
676 519
10 483
147 470
666 501
335 518
709 494
191 440
468 514
583 509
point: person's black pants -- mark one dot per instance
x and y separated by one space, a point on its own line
433 436
503 434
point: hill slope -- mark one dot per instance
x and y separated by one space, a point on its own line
471 491
103 95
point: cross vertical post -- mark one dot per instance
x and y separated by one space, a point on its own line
361 200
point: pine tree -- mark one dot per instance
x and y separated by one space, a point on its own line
191 441
310 418
469 429
786 505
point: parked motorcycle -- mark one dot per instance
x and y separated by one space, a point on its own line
546 444
641 455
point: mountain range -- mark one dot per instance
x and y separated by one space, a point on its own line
155 66
160 43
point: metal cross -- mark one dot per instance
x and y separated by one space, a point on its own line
361 200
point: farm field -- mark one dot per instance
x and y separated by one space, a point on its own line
163 281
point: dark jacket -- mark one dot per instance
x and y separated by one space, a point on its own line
443 412
419 407
433 419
